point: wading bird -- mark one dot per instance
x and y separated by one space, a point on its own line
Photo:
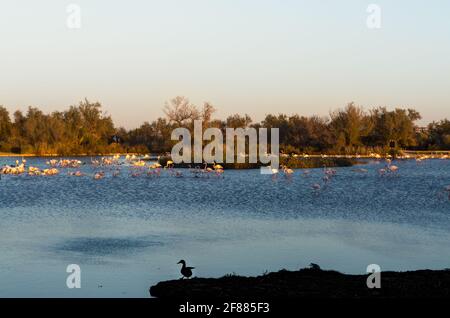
185 270
447 189
393 168
274 172
99 175
169 164
287 171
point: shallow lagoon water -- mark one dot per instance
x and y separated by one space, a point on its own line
128 233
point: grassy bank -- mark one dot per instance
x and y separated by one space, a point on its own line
309 283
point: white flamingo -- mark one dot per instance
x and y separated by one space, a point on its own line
274 172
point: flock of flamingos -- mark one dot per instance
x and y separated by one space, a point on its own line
139 167
113 164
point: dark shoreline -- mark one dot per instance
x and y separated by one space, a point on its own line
309 283
291 162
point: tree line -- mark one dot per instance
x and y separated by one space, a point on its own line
86 129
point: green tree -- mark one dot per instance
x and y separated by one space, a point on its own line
397 125
439 135
350 122
5 129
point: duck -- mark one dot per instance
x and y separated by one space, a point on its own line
185 270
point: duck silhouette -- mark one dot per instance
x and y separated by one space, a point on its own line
185 270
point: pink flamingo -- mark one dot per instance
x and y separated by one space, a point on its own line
99 175
178 174
287 171
274 172
393 168
206 170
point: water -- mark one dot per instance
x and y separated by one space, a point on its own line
128 233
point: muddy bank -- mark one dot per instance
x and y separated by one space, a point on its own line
309 283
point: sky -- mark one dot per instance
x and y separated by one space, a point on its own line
243 56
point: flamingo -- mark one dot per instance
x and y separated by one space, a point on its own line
361 170
50 172
274 172
447 189
217 166
155 166
196 171
287 171
219 172
206 170
33 171
139 163
178 174
329 172
393 168
76 174
169 164
99 175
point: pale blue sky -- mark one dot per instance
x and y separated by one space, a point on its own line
254 56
